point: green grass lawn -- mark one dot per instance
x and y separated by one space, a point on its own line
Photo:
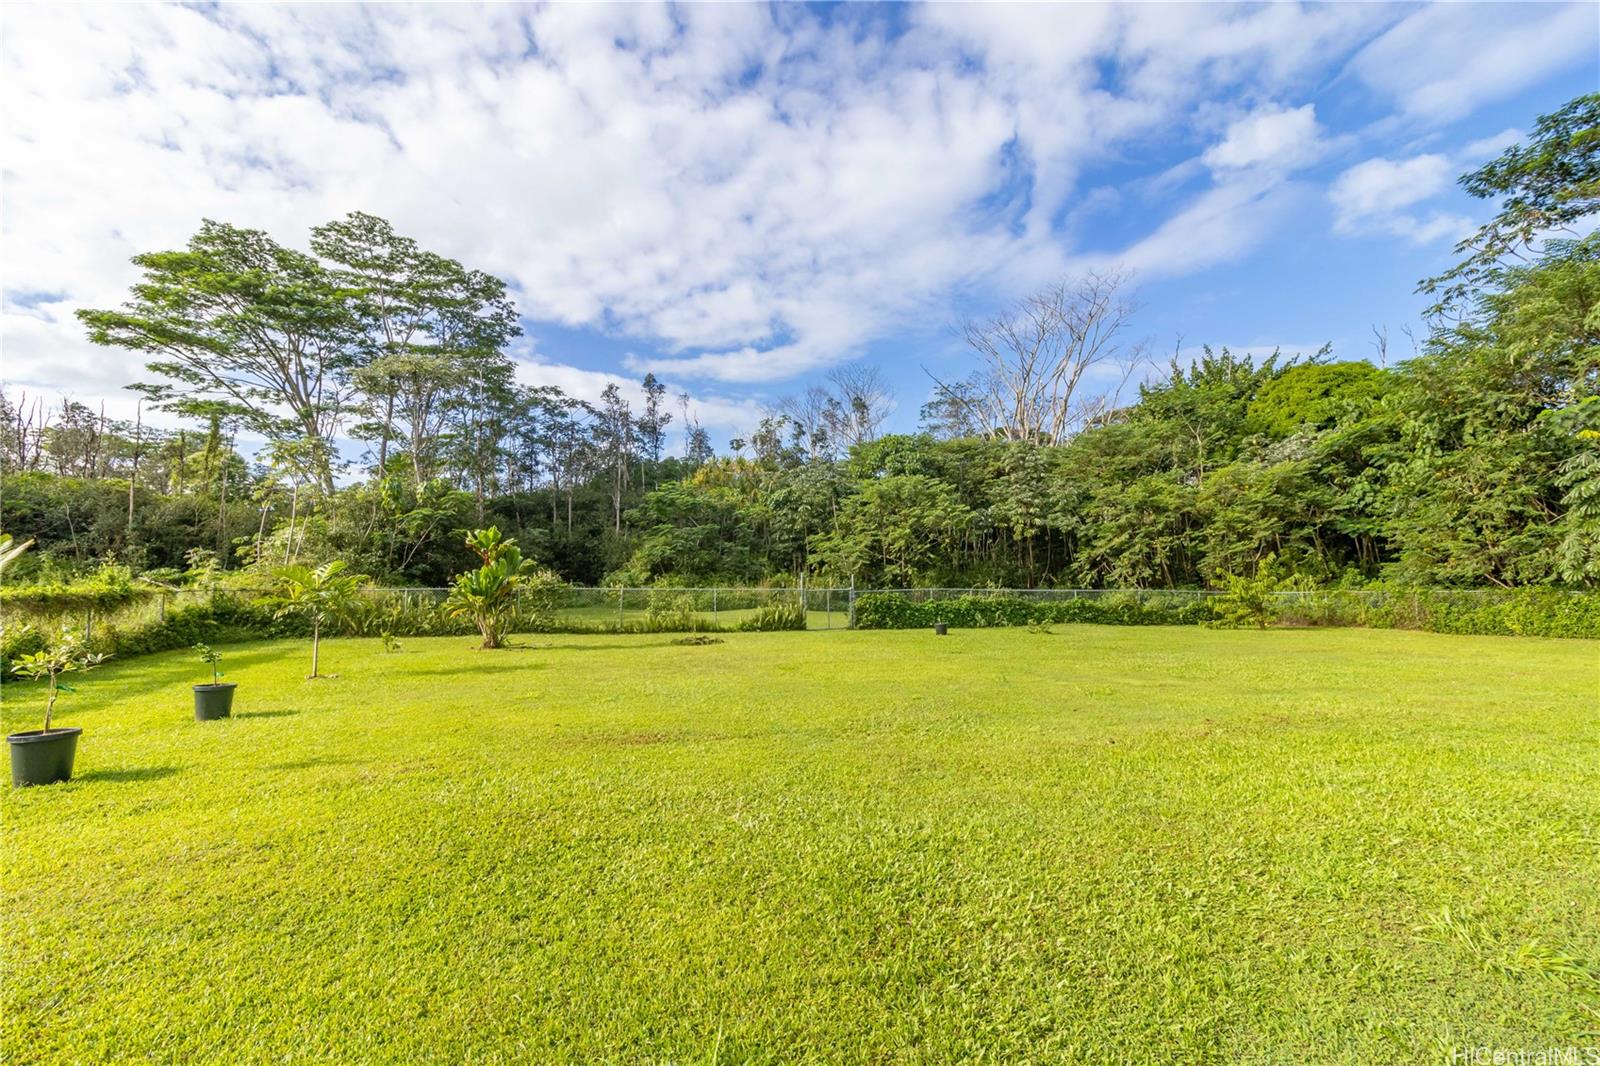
1134 844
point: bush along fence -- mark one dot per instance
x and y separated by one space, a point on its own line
1495 612
163 619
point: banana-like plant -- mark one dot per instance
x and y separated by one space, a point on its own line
488 595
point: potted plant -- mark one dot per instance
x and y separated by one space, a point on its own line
216 699
45 756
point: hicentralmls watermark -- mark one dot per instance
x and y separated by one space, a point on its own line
1569 1055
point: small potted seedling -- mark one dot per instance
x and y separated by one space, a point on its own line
45 756
216 699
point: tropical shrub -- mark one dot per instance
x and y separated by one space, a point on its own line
890 610
16 641
108 588
672 614
775 617
1248 599
490 595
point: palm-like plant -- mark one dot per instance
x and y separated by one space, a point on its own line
10 551
488 595
322 596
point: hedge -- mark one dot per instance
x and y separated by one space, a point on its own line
892 610
56 600
1512 612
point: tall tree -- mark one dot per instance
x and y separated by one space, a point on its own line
1033 357
239 318
1548 187
432 328
617 428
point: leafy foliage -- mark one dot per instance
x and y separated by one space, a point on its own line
321 597
489 595
1466 466
64 654
1249 599
775 617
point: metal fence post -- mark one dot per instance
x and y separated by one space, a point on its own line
851 623
713 606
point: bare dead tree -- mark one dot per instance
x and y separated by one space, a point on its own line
864 403
1101 409
813 412
849 410
1033 358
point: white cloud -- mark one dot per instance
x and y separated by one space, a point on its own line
751 192
1282 138
1375 196
1444 60
1380 187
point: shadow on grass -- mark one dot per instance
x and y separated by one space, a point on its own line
266 714
306 764
490 662
132 773
665 643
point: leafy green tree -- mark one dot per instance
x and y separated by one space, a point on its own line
899 529
237 318
1314 396
430 323
1477 496
1548 186
693 532
323 597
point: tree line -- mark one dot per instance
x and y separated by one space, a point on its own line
1473 462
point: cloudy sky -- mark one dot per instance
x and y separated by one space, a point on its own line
739 197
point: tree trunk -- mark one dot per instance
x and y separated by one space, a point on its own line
294 512
133 472
316 645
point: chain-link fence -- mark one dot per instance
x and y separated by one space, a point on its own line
581 609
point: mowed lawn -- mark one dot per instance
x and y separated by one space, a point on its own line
1100 844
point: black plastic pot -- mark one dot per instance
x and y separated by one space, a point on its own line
940 629
213 701
40 758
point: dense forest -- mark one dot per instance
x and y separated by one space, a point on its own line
1473 461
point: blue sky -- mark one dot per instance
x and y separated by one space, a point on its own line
740 197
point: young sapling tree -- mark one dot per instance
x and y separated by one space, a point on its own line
323 597
65 655
212 658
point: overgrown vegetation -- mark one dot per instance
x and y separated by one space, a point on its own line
1473 464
